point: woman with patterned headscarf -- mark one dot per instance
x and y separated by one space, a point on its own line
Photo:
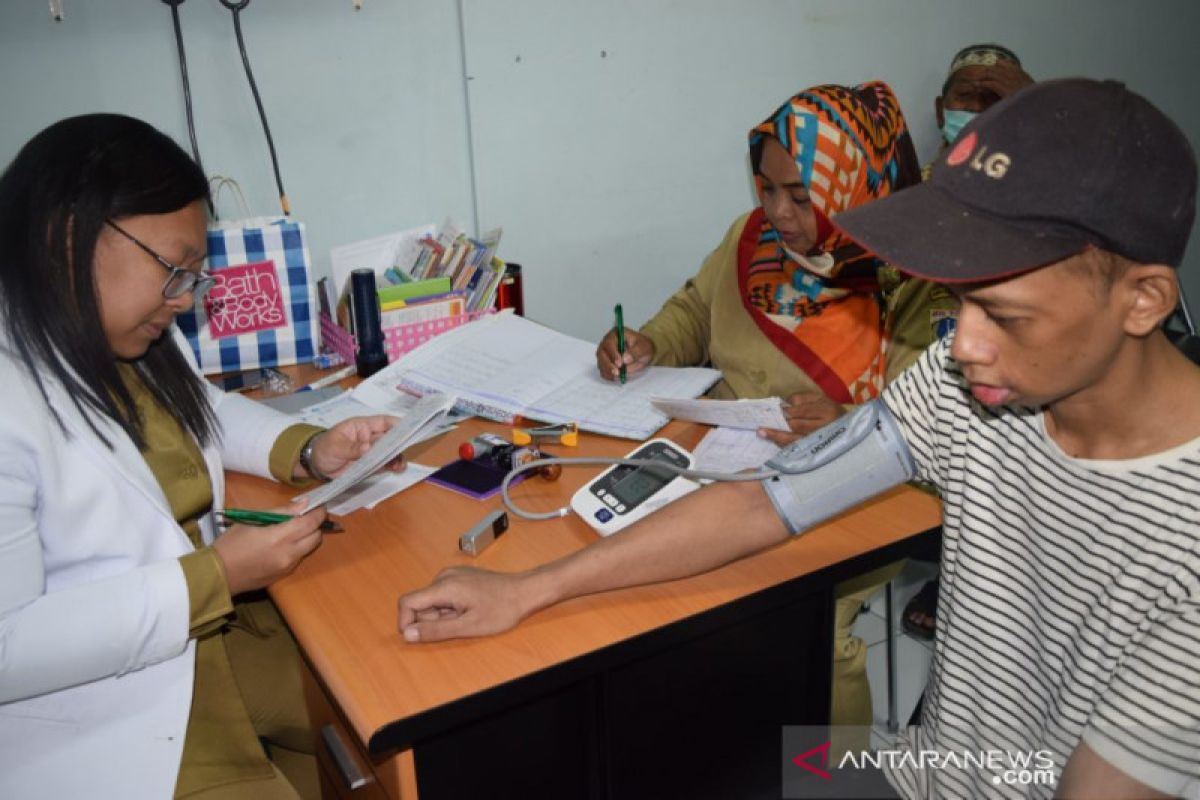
787 306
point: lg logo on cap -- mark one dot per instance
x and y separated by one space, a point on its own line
994 165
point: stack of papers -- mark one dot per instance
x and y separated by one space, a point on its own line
503 366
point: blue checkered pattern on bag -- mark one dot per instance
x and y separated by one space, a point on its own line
262 313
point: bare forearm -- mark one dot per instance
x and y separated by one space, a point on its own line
700 532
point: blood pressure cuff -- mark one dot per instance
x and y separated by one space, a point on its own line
837 467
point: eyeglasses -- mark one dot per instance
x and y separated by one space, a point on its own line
180 281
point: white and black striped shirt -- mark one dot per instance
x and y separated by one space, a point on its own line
1069 602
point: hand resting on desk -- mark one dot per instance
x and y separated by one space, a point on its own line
463 602
705 530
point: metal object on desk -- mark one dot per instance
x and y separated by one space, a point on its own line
483 533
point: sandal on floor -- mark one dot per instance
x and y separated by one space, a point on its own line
924 603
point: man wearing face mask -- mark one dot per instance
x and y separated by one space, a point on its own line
980 76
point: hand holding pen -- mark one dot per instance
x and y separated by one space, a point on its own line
639 353
257 554
260 519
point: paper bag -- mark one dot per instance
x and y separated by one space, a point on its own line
262 310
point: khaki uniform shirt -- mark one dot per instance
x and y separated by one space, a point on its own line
706 322
220 746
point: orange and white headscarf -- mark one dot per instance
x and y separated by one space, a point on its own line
821 308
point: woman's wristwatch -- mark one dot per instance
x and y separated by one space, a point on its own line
306 459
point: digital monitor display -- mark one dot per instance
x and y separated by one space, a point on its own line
639 484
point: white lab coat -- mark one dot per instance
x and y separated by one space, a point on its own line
96 666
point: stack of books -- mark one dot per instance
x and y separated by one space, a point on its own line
429 281
449 263
419 301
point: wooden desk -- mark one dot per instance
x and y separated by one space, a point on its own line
672 690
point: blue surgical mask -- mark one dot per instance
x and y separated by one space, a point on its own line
954 122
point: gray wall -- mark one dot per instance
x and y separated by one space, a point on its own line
607 137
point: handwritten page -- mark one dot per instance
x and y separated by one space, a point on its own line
733 450
504 365
426 411
744 414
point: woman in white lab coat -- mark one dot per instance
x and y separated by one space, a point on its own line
115 597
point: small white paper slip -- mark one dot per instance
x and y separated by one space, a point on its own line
386 447
342 407
744 414
732 450
377 488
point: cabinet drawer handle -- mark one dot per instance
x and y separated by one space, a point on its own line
354 777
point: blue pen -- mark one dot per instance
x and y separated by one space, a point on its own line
329 380
621 339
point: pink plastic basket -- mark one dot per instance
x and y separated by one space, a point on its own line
397 340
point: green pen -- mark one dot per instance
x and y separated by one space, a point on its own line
263 518
621 339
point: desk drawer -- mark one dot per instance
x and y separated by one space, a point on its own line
346 771
344 768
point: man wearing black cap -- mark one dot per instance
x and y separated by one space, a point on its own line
1063 432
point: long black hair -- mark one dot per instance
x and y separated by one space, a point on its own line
54 199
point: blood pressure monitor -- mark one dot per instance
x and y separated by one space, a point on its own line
623 494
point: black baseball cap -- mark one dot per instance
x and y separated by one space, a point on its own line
1044 174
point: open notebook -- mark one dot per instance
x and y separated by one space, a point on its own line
503 365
